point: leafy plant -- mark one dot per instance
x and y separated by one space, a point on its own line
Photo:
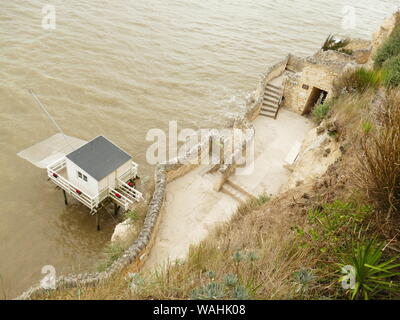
321 111
391 72
213 290
240 293
333 223
230 280
389 49
304 278
112 253
262 199
372 276
132 215
366 127
358 81
332 43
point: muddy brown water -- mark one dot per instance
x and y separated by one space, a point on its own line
119 69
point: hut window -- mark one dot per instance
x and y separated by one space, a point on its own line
82 176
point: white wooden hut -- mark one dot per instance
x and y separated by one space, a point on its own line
97 171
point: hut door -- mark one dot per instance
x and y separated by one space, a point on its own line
317 96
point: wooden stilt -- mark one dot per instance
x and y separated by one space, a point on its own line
116 208
98 221
210 146
65 198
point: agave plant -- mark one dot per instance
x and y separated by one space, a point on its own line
371 275
332 43
304 278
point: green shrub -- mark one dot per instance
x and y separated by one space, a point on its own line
371 275
112 253
333 224
263 198
391 72
366 127
358 81
132 215
389 49
321 111
331 43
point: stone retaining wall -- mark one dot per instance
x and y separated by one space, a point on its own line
255 103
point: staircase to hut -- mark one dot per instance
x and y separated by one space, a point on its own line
125 195
272 100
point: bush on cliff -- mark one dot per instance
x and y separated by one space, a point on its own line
321 111
357 81
339 45
389 49
391 70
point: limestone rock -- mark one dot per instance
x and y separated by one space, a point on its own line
123 232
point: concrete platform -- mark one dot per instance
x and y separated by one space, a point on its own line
192 207
277 143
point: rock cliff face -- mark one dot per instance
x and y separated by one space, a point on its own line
319 150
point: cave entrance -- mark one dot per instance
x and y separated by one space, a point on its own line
317 96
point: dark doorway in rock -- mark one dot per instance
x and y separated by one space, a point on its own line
317 96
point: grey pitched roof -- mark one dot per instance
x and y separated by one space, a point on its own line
99 157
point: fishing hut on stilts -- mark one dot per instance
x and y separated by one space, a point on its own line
96 173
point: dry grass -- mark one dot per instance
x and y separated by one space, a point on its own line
380 161
357 81
351 112
256 247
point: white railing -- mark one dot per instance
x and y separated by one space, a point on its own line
130 173
130 191
53 172
119 198
125 196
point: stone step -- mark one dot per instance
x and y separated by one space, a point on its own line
205 169
232 192
272 111
276 91
267 115
270 101
273 95
274 86
241 189
274 106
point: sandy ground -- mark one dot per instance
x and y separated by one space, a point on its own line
192 208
